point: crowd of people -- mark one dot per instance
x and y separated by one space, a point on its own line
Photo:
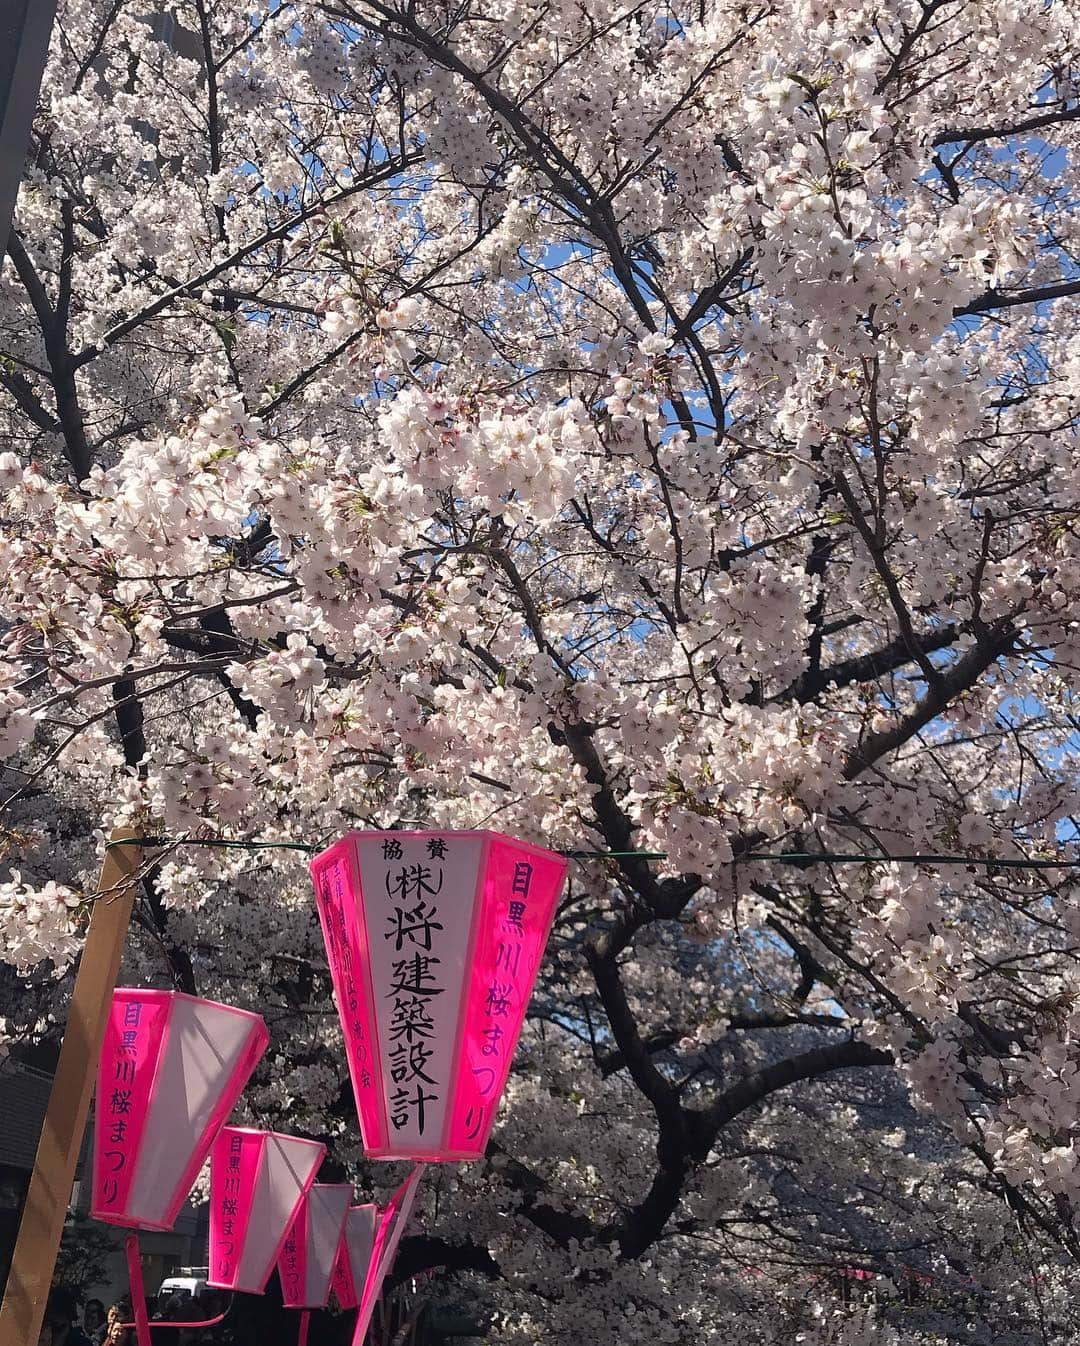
73 1320
65 1325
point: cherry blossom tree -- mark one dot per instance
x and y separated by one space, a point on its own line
647 430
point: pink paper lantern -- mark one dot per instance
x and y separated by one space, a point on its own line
171 1068
257 1182
354 1254
369 1246
310 1250
434 940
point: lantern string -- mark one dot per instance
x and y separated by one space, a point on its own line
992 861
221 842
781 857
614 855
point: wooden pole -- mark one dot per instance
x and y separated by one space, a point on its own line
42 1225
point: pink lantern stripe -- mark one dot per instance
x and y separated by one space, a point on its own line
344 1287
292 1264
354 1254
131 1052
337 890
391 1226
521 889
450 1141
234 1169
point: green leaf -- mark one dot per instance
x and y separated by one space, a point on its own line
227 332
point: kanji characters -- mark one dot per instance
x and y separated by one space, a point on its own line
120 1102
415 925
412 881
508 958
411 1020
402 1102
498 999
415 976
523 873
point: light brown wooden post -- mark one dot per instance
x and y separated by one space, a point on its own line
42 1224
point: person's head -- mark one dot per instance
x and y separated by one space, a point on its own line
117 1334
120 1312
184 1305
171 1308
59 1313
93 1314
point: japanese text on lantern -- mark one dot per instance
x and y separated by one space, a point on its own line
290 1260
125 1076
412 887
501 999
229 1209
344 957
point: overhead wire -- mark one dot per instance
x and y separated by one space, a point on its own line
779 857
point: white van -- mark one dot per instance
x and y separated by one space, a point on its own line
188 1280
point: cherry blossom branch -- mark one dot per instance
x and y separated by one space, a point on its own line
995 299
969 134
866 667
19 387
950 683
61 363
386 171
648 1219
875 545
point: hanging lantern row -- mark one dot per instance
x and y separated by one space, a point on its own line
258 1181
164 1082
363 1264
434 940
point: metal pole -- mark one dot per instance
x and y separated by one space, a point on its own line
138 1289
25 26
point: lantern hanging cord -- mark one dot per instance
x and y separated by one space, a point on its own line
846 858
220 842
831 858
614 855
779 857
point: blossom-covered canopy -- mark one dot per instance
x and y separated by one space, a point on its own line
646 429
